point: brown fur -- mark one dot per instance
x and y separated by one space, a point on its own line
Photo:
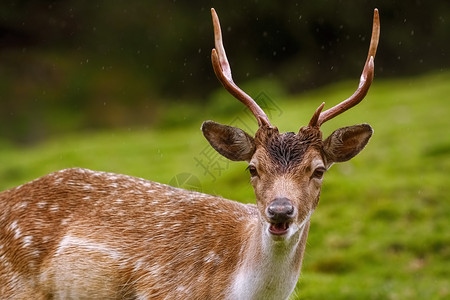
130 253
286 150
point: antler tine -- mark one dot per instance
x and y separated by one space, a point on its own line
223 73
364 82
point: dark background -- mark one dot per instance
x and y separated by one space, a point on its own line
79 65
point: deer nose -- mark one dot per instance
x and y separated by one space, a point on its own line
280 210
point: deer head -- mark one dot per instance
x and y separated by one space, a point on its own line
287 169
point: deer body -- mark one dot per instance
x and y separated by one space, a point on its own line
95 235
81 234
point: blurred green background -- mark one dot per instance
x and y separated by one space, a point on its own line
123 86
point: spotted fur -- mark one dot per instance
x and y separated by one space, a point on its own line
80 234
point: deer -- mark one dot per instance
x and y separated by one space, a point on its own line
83 234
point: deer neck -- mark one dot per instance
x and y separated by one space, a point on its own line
269 268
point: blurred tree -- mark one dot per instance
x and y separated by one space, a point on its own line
63 62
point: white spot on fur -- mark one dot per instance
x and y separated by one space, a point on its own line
27 241
88 187
14 227
4 261
146 184
201 278
181 289
87 245
155 270
212 257
138 265
41 204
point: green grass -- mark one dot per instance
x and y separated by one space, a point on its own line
381 230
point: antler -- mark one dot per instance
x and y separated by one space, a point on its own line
364 83
223 73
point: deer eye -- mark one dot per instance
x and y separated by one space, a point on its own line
252 170
318 173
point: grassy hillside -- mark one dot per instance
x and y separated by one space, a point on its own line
381 230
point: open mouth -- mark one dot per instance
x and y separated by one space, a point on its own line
279 228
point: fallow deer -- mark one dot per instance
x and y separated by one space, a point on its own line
81 234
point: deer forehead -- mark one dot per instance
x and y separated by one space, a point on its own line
288 152
294 183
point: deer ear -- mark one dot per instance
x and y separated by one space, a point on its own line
231 142
344 143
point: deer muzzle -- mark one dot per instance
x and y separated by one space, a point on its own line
281 214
